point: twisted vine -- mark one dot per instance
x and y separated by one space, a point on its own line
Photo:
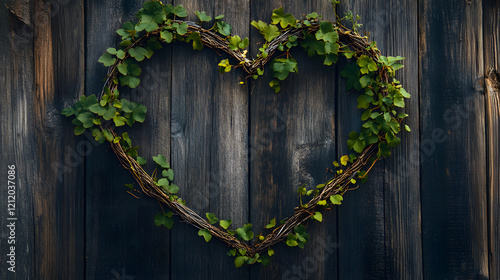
369 73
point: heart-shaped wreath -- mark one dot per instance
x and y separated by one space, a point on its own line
368 73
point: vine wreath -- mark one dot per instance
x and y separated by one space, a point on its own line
368 73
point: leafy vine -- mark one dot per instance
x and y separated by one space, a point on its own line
368 73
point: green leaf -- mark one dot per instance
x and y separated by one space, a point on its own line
283 19
182 29
196 38
271 224
312 15
164 219
130 81
291 240
139 113
225 223
79 130
245 232
365 81
240 261
109 113
407 128
336 199
327 33
169 174
283 66
141 160
205 233
119 120
161 161
364 100
107 59
351 74
167 36
344 160
275 85
180 11
139 53
224 28
212 219
203 16
312 46
318 216
86 119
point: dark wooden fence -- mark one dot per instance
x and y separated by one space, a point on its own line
431 211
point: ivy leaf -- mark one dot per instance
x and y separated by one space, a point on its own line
141 160
240 261
162 161
182 29
171 188
203 16
130 81
180 11
225 223
169 174
205 233
119 120
164 219
351 74
344 160
283 19
399 100
365 81
291 240
224 66
336 199
407 128
271 224
212 219
327 33
245 232
86 119
312 46
196 38
283 66
167 36
364 101
139 53
139 113
79 130
404 93
268 31
318 216
107 60
224 28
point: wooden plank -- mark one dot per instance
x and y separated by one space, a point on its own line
209 146
17 135
396 26
453 150
59 79
491 25
362 214
293 142
122 240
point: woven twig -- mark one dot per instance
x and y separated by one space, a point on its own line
250 66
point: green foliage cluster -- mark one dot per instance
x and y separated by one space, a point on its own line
372 77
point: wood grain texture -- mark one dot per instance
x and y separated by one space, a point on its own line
17 139
453 156
209 146
396 27
362 214
122 240
58 185
491 25
292 142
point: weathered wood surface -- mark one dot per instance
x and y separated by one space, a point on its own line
453 174
491 25
431 211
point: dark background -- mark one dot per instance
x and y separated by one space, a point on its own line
431 211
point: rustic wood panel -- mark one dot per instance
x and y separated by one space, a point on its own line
491 25
17 143
209 146
454 224
396 26
292 142
361 216
57 184
122 240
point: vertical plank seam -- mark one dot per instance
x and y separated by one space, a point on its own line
170 150
249 133
419 89
84 251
